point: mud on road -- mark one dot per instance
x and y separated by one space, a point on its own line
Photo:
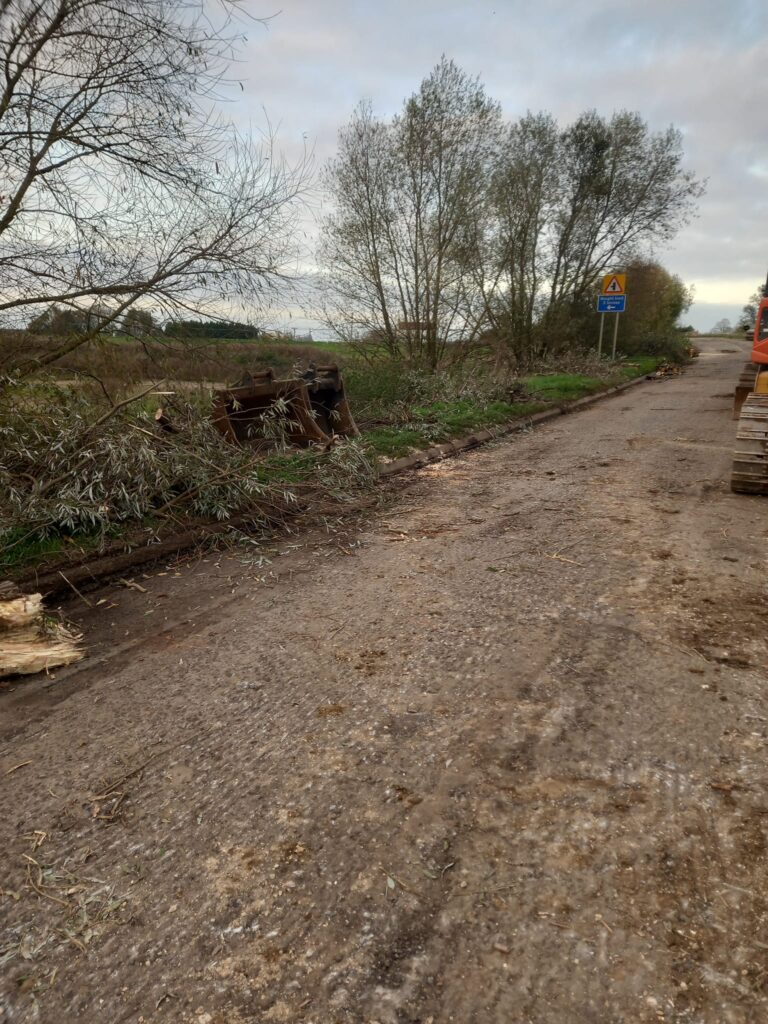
503 759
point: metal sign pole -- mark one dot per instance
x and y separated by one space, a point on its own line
600 339
615 333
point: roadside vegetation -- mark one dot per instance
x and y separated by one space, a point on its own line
85 468
459 267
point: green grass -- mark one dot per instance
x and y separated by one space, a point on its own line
441 421
392 442
566 387
563 387
17 550
287 468
638 366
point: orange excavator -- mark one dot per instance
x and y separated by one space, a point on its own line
750 407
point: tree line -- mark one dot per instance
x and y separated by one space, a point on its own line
450 225
62 322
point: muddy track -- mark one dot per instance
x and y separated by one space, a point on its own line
497 757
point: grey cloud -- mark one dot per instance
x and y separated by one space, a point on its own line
699 64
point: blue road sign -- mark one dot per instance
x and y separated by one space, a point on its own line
611 303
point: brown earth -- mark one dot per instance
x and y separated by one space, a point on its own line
498 757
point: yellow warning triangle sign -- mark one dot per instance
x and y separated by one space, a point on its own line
614 284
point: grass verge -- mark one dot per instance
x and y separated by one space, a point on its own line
434 422
443 421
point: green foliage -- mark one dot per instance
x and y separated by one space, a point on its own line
656 300
375 389
212 329
58 321
668 348
18 547
138 322
748 316
392 442
556 387
69 482
638 366
406 409
391 389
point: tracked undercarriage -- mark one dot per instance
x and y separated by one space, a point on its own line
750 459
750 407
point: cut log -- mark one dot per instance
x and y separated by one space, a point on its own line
29 643
164 422
20 613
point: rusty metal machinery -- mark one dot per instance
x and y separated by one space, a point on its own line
305 410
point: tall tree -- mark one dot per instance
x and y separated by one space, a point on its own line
120 182
722 326
138 322
512 237
406 193
446 224
570 204
656 299
59 321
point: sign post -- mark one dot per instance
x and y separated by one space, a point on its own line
612 300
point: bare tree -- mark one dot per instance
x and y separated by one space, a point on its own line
511 234
448 226
405 195
569 205
748 315
722 326
120 183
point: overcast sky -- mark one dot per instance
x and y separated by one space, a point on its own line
700 65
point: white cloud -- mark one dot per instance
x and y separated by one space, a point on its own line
698 64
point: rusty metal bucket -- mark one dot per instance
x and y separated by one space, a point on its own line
328 400
306 410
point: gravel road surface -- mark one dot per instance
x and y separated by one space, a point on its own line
496 757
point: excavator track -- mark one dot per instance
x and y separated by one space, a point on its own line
750 459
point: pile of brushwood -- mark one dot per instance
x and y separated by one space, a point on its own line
77 467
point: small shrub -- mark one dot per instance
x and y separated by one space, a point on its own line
670 348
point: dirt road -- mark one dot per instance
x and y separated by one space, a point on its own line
501 761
